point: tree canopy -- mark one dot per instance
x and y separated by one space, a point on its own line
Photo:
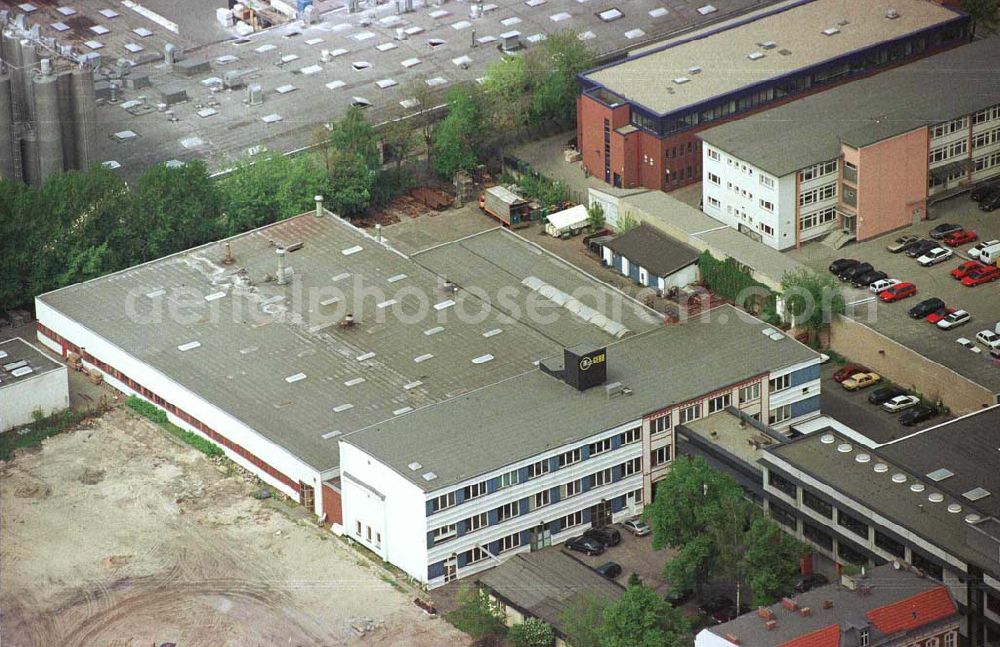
457 137
811 298
641 618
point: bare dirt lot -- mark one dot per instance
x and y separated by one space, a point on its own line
115 535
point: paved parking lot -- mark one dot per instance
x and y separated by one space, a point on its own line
891 319
854 410
635 555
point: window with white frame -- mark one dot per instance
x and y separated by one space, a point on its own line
719 402
508 511
538 468
750 392
570 457
987 161
989 114
766 181
767 229
818 170
443 502
812 196
474 555
779 414
933 642
508 479
767 205
599 447
818 218
510 542
950 127
714 202
444 533
475 522
690 413
951 639
566 490
659 456
714 154
540 500
947 151
864 637
986 138
597 479
630 436
474 491
631 467
570 520
660 424
715 179
780 383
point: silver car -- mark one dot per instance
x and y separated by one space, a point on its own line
637 527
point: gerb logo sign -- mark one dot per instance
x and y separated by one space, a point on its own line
588 361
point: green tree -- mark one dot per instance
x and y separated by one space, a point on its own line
771 560
270 188
595 216
626 222
507 91
351 183
353 134
555 86
531 633
582 619
477 615
175 208
982 11
812 299
641 618
457 137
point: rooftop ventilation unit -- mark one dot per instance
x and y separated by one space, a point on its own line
831 31
891 14
769 44
694 70
755 56
681 80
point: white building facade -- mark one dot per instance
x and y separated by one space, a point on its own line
780 212
29 382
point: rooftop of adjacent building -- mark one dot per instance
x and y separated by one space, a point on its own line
536 412
940 483
20 361
885 600
810 130
790 38
653 250
282 359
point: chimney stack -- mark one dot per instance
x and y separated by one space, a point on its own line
319 206
281 265
228 260
378 232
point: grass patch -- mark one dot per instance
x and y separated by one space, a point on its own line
35 432
159 416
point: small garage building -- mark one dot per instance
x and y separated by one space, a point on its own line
652 259
29 382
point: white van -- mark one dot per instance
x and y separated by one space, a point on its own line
979 247
989 255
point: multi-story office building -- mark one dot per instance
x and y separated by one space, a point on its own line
637 119
448 490
861 159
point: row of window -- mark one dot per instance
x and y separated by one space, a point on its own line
986 138
817 218
818 170
987 161
812 196
949 127
947 151
987 114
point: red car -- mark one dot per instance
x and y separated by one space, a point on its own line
978 277
960 238
962 270
897 292
848 371
938 315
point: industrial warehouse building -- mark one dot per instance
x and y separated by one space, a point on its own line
29 382
433 406
637 119
861 159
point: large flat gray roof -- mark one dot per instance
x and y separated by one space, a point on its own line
810 130
723 56
14 352
254 334
535 412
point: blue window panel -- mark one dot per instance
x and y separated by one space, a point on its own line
555 526
460 527
430 510
553 463
807 374
523 505
616 441
435 570
459 496
584 452
618 503
802 407
461 561
430 539
554 495
616 473
491 485
525 537
633 271
492 517
522 474
586 516
585 484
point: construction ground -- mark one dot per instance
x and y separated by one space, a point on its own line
115 534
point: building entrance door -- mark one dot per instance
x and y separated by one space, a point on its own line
540 537
600 514
450 569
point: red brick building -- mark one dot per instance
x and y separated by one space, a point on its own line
637 119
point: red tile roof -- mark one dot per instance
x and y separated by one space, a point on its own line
915 611
826 637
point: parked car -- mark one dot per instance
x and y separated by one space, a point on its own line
848 371
606 535
809 582
960 238
677 597
842 264
860 381
988 338
729 613
610 570
943 230
925 307
940 314
897 292
637 527
712 605
884 284
959 272
979 247
954 320
854 271
868 278
985 274
586 545
900 243
984 190
901 402
920 248
916 415
935 256
968 345
990 202
884 394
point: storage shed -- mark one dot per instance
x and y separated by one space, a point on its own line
568 222
29 381
652 259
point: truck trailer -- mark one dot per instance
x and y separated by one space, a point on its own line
507 207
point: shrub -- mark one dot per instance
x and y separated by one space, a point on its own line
35 432
159 416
